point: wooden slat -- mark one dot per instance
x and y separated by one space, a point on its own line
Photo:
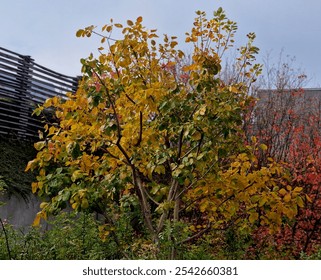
23 85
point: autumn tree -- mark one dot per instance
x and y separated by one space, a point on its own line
149 135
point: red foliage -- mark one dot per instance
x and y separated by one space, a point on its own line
289 123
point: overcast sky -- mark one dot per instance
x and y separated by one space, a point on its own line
45 29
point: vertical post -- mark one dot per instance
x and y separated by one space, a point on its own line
24 72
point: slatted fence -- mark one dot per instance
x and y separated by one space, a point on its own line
23 85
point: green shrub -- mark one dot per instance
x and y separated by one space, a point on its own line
69 237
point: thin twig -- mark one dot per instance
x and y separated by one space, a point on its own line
196 235
180 144
119 134
140 138
7 240
197 179
105 37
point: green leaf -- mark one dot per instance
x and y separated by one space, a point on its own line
66 195
75 153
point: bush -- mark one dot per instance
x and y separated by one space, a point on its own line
69 237
76 237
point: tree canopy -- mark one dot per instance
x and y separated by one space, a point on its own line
154 133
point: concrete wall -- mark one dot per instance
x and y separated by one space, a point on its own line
18 212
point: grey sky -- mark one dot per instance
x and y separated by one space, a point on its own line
45 29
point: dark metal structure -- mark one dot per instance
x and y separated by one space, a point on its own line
23 85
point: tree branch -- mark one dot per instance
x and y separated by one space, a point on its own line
198 234
197 179
140 138
180 144
130 99
7 240
170 197
119 134
144 203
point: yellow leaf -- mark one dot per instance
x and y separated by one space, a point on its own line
30 165
74 205
190 67
253 217
84 204
130 23
233 89
203 206
48 102
34 187
109 28
43 204
297 189
47 157
40 133
39 145
173 44
192 228
263 147
202 110
36 221
76 175
187 182
80 33
197 136
262 201
55 100
290 212
52 129
59 114
160 169
139 19
300 202
308 198
287 197
40 185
